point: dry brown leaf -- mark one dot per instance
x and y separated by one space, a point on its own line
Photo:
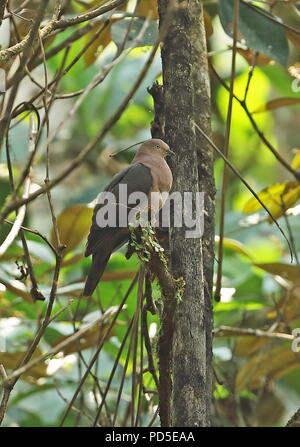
293 37
88 340
288 272
260 60
288 307
276 104
92 53
146 6
248 345
269 364
11 360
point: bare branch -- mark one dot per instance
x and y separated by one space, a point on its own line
53 25
228 331
13 205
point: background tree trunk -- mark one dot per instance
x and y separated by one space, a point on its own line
187 353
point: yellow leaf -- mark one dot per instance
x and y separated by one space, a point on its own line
73 226
286 201
296 160
235 245
266 196
276 104
277 198
146 6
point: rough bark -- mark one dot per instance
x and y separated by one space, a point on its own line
187 100
166 313
295 420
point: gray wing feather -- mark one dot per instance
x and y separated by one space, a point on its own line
138 178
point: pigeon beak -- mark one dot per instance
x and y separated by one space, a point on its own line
171 152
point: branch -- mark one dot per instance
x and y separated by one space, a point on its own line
15 204
37 233
228 331
295 420
226 151
144 242
4 122
56 349
16 225
6 392
261 135
96 354
236 172
54 25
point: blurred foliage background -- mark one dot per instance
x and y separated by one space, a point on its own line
256 377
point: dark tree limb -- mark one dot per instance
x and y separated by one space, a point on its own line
167 310
295 420
187 100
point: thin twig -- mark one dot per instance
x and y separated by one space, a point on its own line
226 151
95 356
53 25
220 153
15 204
19 73
37 233
261 135
229 331
6 393
112 373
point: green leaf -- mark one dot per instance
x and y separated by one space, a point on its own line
260 32
119 32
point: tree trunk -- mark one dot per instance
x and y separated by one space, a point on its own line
187 100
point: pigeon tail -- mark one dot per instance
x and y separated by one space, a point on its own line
99 263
